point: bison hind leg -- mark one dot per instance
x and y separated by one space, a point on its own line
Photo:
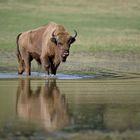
21 67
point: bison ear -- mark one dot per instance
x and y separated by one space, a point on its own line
71 40
53 39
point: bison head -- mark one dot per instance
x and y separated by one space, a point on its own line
63 42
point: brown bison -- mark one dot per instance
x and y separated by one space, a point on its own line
49 45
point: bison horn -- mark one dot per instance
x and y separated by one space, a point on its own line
72 38
54 38
75 34
53 34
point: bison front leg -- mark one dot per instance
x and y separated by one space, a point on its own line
45 63
54 68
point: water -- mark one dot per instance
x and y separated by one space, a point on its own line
37 75
77 107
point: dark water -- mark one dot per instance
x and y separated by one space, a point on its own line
70 108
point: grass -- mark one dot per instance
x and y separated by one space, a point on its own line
108 26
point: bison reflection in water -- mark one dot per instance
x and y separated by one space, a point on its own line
44 105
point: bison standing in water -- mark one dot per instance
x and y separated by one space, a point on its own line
49 45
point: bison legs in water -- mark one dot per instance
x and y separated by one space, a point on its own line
53 68
25 63
21 67
25 58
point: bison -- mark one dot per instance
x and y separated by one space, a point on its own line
49 45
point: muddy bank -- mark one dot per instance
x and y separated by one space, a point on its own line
82 62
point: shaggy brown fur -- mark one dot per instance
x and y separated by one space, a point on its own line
48 45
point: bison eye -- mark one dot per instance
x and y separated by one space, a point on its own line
60 43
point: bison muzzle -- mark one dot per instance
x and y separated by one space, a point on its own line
49 45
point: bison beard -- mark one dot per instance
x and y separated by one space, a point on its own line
49 45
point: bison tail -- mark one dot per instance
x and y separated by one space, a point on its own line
18 52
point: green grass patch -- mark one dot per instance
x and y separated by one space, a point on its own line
102 25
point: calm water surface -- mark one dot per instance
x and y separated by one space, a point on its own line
70 109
